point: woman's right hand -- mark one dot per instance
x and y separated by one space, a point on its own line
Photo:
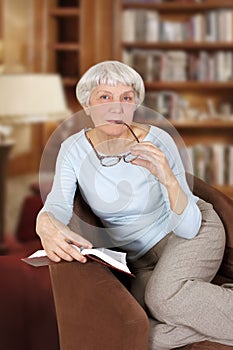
56 238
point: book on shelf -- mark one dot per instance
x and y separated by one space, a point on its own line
213 163
178 65
141 25
108 257
147 25
167 103
229 165
175 107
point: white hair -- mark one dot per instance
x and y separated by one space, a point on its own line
109 73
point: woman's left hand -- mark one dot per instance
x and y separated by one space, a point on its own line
153 159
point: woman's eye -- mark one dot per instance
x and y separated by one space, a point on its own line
128 98
104 97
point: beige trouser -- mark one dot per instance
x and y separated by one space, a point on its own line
173 284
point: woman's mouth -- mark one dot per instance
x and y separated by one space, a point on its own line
115 121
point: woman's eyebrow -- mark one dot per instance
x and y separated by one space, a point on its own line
126 92
104 91
110 92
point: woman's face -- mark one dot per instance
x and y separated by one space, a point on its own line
111 106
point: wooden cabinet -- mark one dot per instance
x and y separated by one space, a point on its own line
184 52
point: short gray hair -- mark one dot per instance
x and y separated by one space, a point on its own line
109 73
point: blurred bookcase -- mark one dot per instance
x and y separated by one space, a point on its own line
80 35
70 27
183 49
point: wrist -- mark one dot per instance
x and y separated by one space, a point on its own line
172 184
178 198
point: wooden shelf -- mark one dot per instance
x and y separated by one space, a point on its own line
194 126
188 85
185 45
65 12
66 46
200 124
180 7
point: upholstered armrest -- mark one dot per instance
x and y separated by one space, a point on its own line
94 310
28 319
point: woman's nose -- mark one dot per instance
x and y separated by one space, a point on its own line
116 107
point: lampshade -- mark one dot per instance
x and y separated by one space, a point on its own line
31 98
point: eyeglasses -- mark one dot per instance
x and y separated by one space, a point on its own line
108 161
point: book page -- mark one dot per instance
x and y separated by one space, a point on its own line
119 256
109 256
37 254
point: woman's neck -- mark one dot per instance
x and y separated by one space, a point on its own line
112 143
117 140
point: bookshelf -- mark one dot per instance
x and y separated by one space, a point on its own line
76 29
67 53
198 38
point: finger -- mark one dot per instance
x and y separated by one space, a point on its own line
147 165
77 240
141 162
151 158
148 154
68 255
73 253
145 146
52 256
64 251
63 254
151 163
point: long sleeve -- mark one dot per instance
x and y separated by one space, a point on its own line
188 223
59 201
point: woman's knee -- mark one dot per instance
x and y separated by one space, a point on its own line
158 301
211 222
167 306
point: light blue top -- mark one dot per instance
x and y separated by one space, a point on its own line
130 201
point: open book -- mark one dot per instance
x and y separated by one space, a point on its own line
108 257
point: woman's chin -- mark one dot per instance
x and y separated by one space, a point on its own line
112 128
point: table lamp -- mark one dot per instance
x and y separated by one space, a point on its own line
25 99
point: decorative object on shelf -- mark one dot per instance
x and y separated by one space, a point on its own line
25 99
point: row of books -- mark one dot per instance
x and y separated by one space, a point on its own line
173 106
168 103
148 26
213 163
179 65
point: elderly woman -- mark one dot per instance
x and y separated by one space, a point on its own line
132 177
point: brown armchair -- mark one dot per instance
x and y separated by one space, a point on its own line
96 311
